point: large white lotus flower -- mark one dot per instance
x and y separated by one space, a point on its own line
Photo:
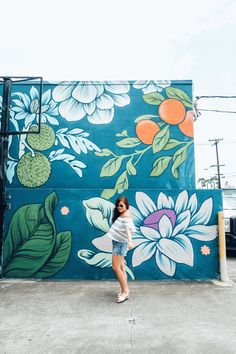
92 98
27 107
164 230
151 86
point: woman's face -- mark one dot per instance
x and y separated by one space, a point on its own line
121 207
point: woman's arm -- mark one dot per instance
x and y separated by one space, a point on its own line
129 237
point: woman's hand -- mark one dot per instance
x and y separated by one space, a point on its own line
130 245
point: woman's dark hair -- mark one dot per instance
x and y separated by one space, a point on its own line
116 212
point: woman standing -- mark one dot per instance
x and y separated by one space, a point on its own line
121 235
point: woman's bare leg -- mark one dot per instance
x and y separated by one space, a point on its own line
117 262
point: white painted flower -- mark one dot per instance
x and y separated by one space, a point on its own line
27 107
164 229
93 99
151 86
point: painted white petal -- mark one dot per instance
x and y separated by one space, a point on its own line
17 109
101 116
204 213
166 265
34 93
29 119
19 103
62 91
179 249
162 83
89 107
121 100
150 88
165 226
137 241
182 222
99 212
21 115
143 252
150 233
71 110
99 88
137 216
51 120
122 87
104 102
84 92
192 203
145 204
181 202
103 243
139 84
164 202
46 97
202 232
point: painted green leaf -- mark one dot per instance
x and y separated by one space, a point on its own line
111 167
30 239
59 256
172 143
99 212
179 95
144 117
154 98
160 165
123 133
178 158
108 193
130 168
104 152
128 142
101 260
122 183
161 139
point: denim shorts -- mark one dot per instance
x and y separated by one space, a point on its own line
119 248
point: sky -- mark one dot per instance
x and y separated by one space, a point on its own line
134 40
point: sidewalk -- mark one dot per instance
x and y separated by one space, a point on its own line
82 317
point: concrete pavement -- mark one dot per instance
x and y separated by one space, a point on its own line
82 317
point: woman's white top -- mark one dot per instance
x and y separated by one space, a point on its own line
118 230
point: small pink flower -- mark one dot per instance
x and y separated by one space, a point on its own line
65 210
205 250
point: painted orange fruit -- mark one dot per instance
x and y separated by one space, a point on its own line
186 126
146 131
172 111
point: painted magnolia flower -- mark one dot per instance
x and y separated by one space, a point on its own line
92 98
205 250
164 230
65 210
27 107
151 86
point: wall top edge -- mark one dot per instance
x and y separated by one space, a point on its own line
107 82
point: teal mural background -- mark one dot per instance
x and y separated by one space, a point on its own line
97 143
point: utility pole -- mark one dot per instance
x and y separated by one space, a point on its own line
216 142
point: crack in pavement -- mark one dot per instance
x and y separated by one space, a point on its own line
132 322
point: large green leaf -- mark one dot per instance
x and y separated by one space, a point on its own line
30 239
104 152
154 98
160 165
108 193
179 95
172 143
100 260
131 168
161 139
99 212
178 159
122 183
128 142
59 256
111 167
144 117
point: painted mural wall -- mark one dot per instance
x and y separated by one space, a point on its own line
100 140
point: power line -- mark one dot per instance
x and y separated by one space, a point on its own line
215 110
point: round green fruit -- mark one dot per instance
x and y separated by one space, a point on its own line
33 171
42 141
